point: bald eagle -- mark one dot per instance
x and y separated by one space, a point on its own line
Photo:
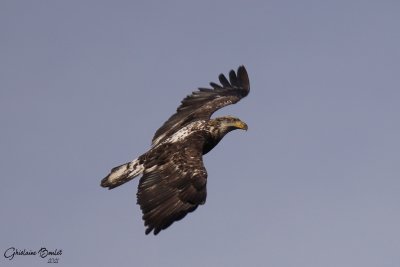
174 178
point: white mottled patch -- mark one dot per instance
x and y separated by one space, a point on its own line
135 168
157 140
151 169
184 132
117 173
128 170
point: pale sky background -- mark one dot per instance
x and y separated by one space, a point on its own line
314 182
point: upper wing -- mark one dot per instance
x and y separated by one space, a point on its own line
203 103
173 184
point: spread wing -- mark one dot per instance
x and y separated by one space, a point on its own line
203 103
173 184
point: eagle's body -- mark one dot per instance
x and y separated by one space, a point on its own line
174 177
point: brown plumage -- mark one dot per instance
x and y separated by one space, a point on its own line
174 177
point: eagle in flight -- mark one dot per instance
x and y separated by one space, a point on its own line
174 178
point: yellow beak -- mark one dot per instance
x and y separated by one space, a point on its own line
241 125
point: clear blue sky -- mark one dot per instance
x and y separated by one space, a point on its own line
314 182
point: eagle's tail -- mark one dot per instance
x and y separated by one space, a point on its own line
122 174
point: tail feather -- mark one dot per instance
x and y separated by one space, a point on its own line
122 174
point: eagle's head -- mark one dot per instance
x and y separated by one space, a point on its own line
226 124
219 127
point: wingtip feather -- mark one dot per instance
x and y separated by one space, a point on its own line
243 77
224 81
